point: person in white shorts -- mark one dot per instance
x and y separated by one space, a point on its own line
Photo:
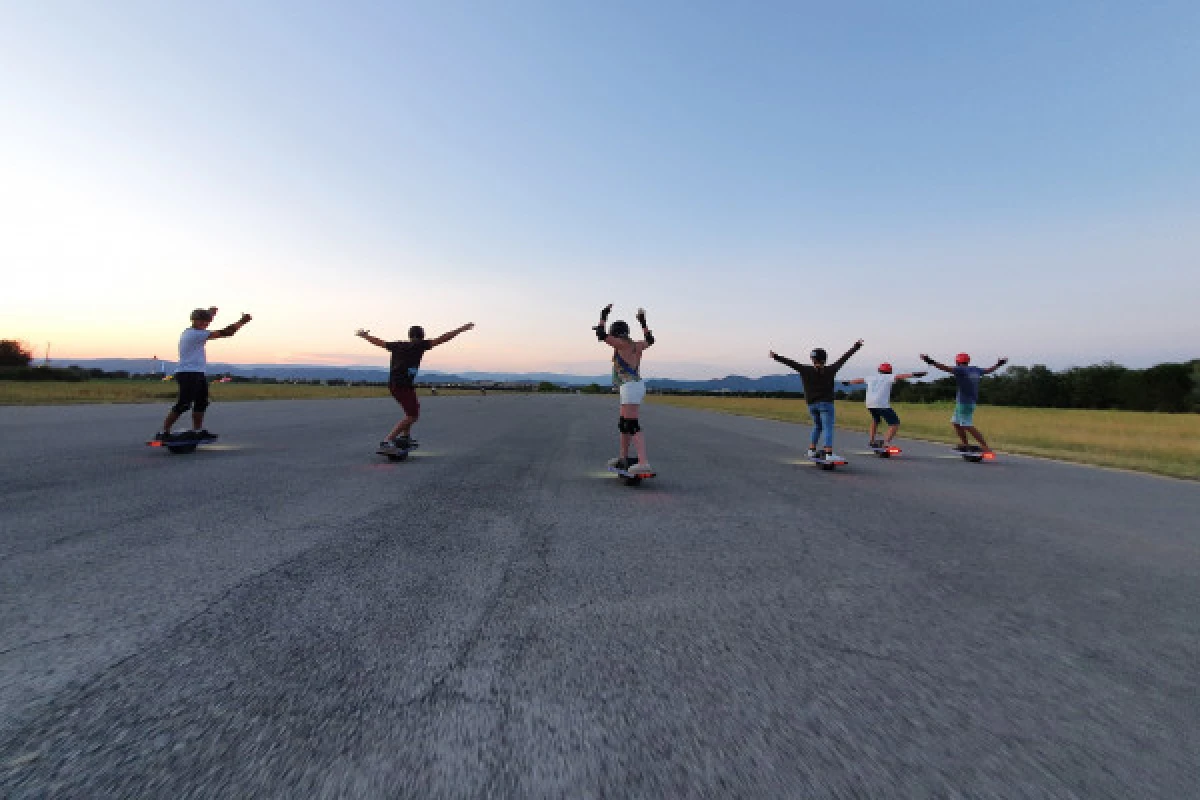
627 363
879 401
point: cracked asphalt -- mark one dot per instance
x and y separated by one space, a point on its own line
289 615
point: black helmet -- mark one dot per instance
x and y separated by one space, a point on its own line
819 354
416 332
619 328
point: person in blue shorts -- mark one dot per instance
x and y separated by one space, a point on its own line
967 378
879 401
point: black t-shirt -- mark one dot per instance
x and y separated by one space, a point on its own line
819 383
406 360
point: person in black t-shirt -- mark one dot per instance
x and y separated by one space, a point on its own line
406 362
819 388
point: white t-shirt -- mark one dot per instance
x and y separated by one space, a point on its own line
879 391
191 350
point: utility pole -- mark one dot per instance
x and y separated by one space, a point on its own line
46 362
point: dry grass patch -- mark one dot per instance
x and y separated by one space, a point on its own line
1166 444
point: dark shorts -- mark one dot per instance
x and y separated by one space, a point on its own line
885 414
193 391
406 396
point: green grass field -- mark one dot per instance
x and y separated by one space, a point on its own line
32 393
1165 444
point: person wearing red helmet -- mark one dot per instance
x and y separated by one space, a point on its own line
967 378
879 401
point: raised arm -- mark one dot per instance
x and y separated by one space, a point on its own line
363 333
936 364
445 337
1000 362
785 360
841 362
601 330
647 334
229 330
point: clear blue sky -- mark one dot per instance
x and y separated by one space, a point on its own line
1018 178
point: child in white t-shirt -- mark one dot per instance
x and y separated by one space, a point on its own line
879 401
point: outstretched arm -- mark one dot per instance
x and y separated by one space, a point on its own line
903 376
785 360
445 337
855 381
841 362
363 333
647 334
937 364
999 363
229 330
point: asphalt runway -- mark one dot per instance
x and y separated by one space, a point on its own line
290 615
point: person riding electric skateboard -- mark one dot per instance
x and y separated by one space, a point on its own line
967 378
627 362
402 376
819 387
190 375
879 401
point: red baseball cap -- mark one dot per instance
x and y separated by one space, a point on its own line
962 358
885 367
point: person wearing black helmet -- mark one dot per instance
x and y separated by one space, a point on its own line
819 386
405 364
879 401
627 363
967 378
190 375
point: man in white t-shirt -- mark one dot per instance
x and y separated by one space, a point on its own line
879 401
190 374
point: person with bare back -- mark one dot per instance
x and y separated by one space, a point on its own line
406 362
627 375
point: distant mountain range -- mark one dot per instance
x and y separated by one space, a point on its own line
730 383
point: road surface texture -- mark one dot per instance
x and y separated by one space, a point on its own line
290 615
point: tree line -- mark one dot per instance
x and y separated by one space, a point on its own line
1163 387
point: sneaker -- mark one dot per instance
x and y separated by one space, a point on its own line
204 435
164 436
875 443
387 444
618 463
404 442
812 452
962 448
833 457
641 469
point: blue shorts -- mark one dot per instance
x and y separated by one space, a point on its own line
964 414
884 414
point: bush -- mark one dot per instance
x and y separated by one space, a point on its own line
14 353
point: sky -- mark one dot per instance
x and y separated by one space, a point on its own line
1017 178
